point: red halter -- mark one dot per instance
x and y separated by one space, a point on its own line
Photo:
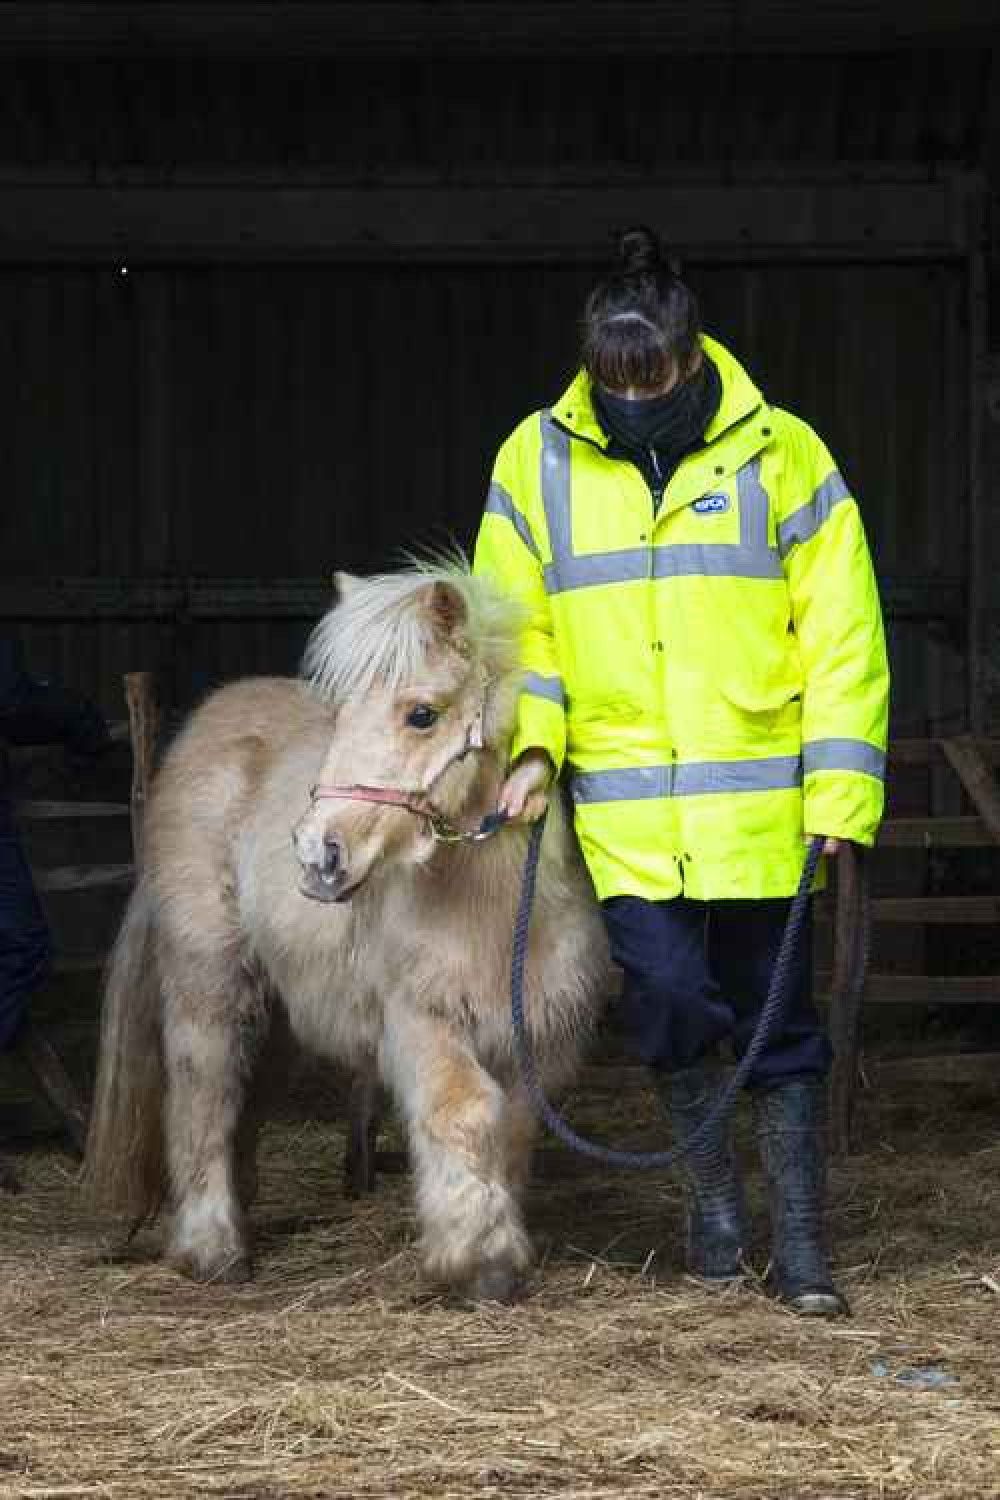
417 803
420 803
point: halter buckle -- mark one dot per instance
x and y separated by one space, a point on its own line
446 833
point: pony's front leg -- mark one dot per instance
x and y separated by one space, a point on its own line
473 1235
202 1119
520 1134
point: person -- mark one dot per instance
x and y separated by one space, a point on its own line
33 711
704 658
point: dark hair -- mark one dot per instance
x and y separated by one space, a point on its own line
640 322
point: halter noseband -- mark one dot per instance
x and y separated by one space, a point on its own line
420 803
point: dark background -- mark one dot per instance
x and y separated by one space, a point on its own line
276 280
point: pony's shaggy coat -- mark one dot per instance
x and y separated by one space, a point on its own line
401 961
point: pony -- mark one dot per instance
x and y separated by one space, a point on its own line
306 855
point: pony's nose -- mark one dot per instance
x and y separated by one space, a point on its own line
331 856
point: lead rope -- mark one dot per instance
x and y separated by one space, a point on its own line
768 1020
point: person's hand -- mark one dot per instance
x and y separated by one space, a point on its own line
524 796
830 846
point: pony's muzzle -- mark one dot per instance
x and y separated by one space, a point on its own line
324 866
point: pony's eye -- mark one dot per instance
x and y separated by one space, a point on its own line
422 716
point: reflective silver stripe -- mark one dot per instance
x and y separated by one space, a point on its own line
751 557
544 687
555 482
806 521
681 560
844 755
696 778
776 773
591 568
499 503
631 785
754 508
718 559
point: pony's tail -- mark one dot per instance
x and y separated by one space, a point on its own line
123 1167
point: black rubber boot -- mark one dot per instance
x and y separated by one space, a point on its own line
791 1123
715 1217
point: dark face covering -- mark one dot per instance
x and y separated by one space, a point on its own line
671 425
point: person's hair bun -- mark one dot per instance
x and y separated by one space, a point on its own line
639 250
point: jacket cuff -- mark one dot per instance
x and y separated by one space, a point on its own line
541 725
843 805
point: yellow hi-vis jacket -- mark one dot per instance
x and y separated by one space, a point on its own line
712 679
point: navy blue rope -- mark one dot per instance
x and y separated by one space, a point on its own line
768 1022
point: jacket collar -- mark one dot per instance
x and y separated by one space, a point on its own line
740 399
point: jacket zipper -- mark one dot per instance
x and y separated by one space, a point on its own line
656 490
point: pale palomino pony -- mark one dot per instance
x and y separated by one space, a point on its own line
402 955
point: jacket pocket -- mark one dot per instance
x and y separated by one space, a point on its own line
753 722
760 694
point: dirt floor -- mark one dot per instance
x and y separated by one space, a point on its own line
333 1375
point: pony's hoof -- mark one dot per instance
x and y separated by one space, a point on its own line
236 1270
497 1281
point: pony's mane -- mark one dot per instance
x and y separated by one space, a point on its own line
378 633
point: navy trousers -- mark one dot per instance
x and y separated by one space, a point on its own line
697 974
25 945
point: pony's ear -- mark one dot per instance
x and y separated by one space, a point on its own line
344 585
444 606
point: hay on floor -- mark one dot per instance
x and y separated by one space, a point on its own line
334 1375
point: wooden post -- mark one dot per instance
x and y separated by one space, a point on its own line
46 1066
9 1180
363 1112
972 767
143 719
32 1046
850 963
980 582
363 1161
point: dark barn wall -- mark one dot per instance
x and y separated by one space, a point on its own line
278 422
196 439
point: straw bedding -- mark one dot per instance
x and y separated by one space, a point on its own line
335 1374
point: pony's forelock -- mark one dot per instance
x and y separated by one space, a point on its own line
378 634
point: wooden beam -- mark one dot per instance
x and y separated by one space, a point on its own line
35 1050
32 755
126 222
972 768
33 810
613 1075
926 989
86 963
914 752
123 598
486 28
934 833
935 910
83 877
947 1069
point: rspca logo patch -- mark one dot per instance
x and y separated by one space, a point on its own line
711 504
